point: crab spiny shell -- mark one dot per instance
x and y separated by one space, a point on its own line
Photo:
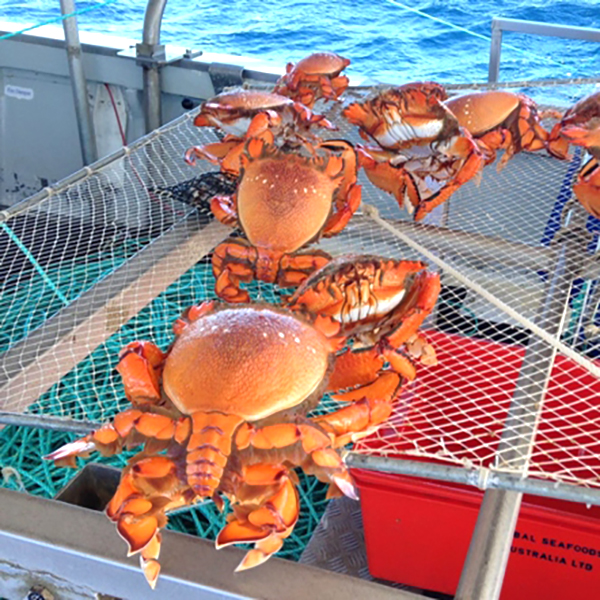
233 111
325 63
246 361
479 112
248 100
284 200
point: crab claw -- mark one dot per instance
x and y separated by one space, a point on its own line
65 455
267 524
346 487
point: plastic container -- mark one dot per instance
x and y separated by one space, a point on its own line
418 531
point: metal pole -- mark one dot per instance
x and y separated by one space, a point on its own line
495 51
488 554
82 109
482 478
151 50
588 34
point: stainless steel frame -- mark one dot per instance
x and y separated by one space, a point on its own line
532 28
80 93
68 547
150 48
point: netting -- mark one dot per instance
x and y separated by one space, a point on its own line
118 255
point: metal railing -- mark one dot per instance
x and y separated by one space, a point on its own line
531 28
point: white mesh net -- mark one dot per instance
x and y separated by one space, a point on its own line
111 258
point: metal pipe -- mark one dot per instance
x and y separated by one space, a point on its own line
485 565
482 478
87 137
495 51
537 28
47 422
150 48
88 171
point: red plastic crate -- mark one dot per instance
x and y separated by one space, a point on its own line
418 531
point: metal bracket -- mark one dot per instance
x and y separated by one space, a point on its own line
158 55
223 75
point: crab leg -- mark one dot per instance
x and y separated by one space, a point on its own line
350 423
129 428
265 510
149 488
391 178
295 268
213 153
232 263
148 422
471 167
305 444
236 260
223 207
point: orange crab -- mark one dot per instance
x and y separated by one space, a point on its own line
380 304
404 116
213 425
318 75
580 126
501 120
244 114
284 201
423 155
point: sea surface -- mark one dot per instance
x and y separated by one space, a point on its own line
387 40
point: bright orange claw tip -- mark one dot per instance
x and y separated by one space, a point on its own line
71 450
236 532
151 569
138 533
346 487
253 558
196 311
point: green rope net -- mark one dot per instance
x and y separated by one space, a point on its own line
22 449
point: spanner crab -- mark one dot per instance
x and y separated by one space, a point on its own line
380 304
580 126
213 425
501 120
404 116
284 201
244 114
423 155
316 76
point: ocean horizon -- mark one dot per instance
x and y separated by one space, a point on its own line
386 40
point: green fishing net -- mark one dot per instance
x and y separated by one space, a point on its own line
93 391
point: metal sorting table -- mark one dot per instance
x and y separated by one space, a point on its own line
94 559
74 551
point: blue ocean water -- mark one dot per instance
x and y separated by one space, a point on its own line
386 39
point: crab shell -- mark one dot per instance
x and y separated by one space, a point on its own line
284 200
320 63
367 294
580 126
480 112
218 363
233 111
315 76
499 119
404 116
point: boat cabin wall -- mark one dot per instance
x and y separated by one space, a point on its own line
39 139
